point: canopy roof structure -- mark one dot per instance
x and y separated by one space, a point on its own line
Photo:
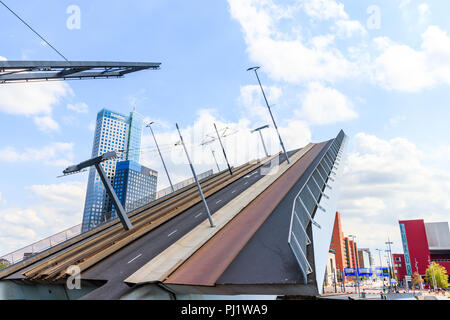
26 71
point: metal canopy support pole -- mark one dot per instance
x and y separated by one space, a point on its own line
271 115
262 139
264 145
120 210
223 149
106 183
196 180
218 168
159 151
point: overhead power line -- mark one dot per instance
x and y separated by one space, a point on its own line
29 27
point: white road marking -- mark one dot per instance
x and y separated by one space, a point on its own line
246 183
218 201
134 258
172 233
233 191
199 215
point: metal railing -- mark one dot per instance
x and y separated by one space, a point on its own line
182 184
41 245
60 237
307 202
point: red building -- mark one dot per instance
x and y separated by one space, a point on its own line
399 266
343 248
423 243
337 243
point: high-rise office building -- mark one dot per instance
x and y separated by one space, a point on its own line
134 184
113 132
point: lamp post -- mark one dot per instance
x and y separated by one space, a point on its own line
159 151
381 265
356 264
391 271
270 111
196 179
223 149
212 151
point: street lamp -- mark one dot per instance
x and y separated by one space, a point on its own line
270 111
391 271
195 177
356 264
157 146
381 265
223 150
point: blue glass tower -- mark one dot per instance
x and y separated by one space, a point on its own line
113 132
134 184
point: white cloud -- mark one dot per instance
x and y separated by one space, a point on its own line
299 59
388 180
290 60
324 9
2 199
55 154
400 67
79 107
241 146
46 124
395 121
64 194
3 58
323 105
349 28
92 125
255 106
403 3
56 207
35 98
424 12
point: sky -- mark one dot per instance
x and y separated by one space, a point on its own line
379 70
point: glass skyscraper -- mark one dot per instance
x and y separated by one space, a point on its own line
134 184
113 132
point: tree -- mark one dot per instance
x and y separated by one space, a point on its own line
416 279
440 275
3 266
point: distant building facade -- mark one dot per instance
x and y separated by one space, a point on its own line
337 243
134 184
331 272
351 249
399 266
424 243
343 248
365 258
113 132
5 262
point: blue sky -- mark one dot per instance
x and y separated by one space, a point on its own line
380 70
